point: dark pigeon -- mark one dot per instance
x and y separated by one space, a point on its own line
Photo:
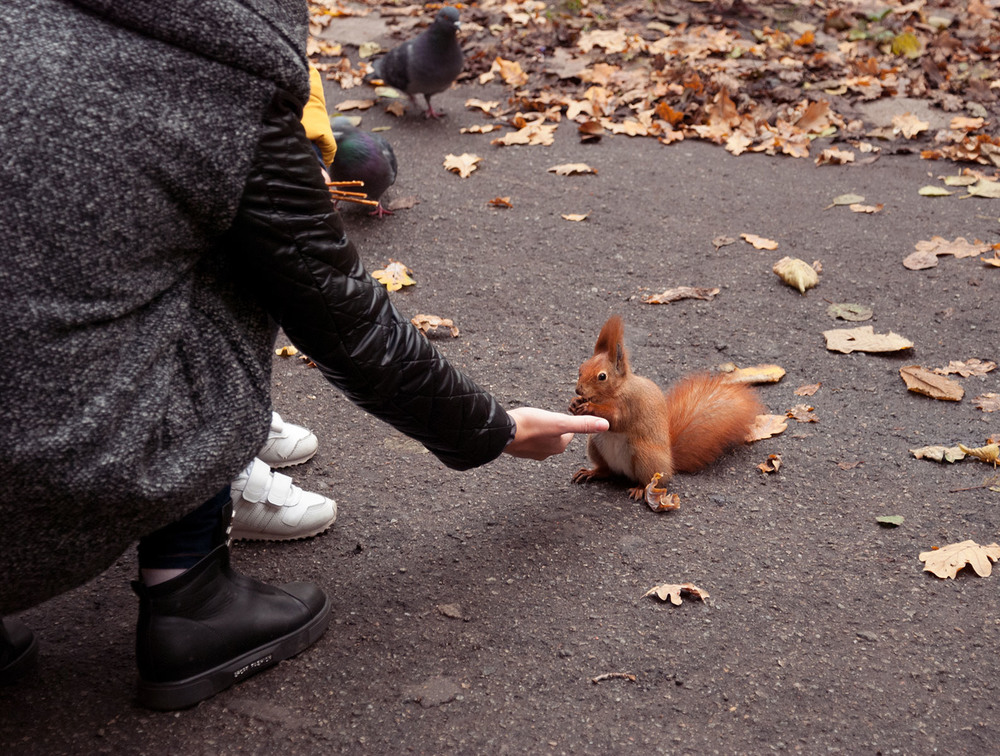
427 64
363 156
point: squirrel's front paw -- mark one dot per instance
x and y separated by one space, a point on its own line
580 406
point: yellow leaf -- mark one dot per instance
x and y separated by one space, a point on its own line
367 49
755 374
394 276
934 191
681 292
672 592
796 273
463 164
907 44
286 351
988 453
864 339
948 560
759 242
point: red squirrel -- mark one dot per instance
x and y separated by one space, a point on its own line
654 433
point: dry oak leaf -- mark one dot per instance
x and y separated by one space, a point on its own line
722 241
927 252
857 207
994 261
500 202
988 402
660 499
463 164
796 273
908 125
939 453
759 242
756 374
394 276
923 381
804 413
988 453
948 560
772 464
480 128
864 339
426 323
575 217
286 351
807 390
484 105
681 292
973 366
765 426
568 169
833 156
534 133
355 105
672 592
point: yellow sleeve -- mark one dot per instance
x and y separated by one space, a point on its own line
316 120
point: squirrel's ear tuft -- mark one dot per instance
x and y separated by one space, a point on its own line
611 343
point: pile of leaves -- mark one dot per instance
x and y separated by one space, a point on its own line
748 74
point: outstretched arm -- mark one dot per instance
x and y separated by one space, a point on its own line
540 433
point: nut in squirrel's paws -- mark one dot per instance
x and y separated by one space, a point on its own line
658 499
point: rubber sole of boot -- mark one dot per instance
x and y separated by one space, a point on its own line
182 694
17 668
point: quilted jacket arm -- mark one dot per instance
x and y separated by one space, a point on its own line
289 245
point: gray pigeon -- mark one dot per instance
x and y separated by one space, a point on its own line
363 156
427 64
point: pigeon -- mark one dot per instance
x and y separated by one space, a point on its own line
363 156
427 64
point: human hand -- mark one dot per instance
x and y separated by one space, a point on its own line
541 433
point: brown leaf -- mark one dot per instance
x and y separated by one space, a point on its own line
428 323
939 453
864 339
660 499
771 465
672 592
575 217
568 169
500 202
807 390
922 381
355 105
969 367
765 426
908 125
857 207
722 241
948 560
759 242
927 252
988 402
803 413
681 292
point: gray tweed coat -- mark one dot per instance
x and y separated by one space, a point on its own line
134 370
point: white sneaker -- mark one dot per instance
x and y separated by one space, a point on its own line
287 444
268 507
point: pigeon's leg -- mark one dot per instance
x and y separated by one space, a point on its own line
380 212
431 113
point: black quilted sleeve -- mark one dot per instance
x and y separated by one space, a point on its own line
289 246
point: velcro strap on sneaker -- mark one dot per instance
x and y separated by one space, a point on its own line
258 482
281 490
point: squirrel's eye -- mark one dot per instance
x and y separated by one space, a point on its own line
602 376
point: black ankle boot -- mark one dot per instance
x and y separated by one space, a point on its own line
18 650
211 627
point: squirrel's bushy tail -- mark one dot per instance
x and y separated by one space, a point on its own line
707 415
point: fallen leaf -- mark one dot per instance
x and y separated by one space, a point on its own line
908 125
927 252
355 105
286 351
985 188
759 242
934 191
534 133
804 413
397 108
893 521
964 123
939 453
948 560
463 164
922 381
807 390
483 128
367 49
850 465
864 339
869 209
796 273
394 276
427 323
486 106
851 312
973 366
988 402
659 499
988 453
722 241
672 592
834 156
568 169
452 611
681 292
765 426
846 199
500 202
575 217
771 465
766 373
